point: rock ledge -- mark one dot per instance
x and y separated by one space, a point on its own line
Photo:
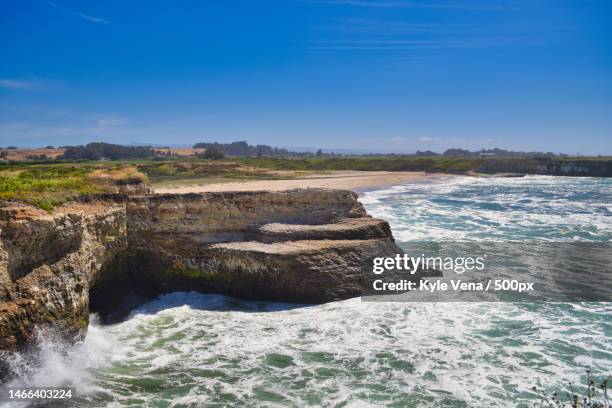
305 245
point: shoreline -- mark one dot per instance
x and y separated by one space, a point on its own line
360 181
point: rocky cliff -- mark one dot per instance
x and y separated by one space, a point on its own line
548 166
47 263
298 246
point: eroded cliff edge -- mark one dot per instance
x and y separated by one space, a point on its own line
297 246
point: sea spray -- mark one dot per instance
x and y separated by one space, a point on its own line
52 362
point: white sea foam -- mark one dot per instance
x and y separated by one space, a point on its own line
339 352
54 363
467 208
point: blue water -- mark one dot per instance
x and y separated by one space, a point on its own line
466 208
188 349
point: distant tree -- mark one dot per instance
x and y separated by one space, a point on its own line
82 153
97 151
457 152
243 149
319 153
37 157
12 147
426 153
213 154
49 147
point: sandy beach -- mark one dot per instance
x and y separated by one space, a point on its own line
352 180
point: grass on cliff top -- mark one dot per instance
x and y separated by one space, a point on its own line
372 163
47 186
118 175
391 163
260 167
50 185
168 171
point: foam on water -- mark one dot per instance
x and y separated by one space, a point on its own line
194 348
53 363
468 208
189 349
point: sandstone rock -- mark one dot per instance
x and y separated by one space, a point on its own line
46 266
297 246
345 228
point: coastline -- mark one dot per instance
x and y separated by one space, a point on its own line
288 337
351 180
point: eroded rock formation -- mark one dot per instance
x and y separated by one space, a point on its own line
298 246
47 263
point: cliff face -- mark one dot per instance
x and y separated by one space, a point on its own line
298 246
548 166
47 263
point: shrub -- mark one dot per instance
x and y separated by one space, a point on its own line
213 154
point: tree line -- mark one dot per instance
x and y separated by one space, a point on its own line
215 150
98 151
243 149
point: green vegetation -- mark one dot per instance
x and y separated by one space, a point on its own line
213 154
117 175
51 184
598 166
191 169
97 151
44 186
47 186
365 163
243 149
179 270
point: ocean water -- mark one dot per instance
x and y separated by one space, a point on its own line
543 208
190 349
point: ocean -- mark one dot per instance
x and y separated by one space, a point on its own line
191 349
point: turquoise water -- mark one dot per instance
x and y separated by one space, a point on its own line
189 349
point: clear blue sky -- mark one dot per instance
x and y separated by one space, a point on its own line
379 75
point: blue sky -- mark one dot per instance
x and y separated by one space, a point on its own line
372 75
